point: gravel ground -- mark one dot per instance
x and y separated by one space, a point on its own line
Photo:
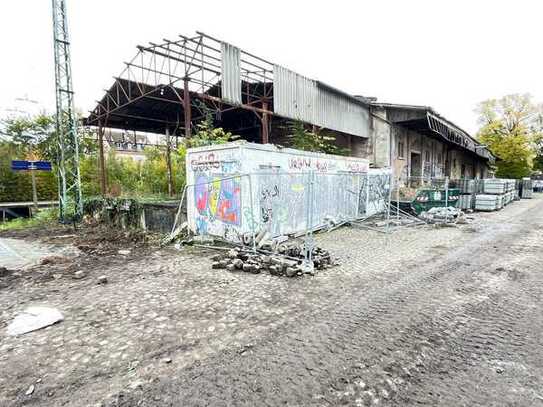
424 316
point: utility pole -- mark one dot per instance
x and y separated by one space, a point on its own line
34 190
69 178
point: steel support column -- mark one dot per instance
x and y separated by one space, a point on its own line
187 107
169 162
265 124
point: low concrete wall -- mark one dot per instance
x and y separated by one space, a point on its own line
160 217
129 213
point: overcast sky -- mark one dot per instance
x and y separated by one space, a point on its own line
448 54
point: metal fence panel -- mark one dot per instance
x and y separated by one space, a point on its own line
374 192
281 201
238 206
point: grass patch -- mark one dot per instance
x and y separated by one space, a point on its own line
42 218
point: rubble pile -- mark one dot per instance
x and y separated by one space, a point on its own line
448 214
288 261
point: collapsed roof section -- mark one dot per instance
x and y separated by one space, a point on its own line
425 120
173 84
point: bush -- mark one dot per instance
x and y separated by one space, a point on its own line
42 218
127 177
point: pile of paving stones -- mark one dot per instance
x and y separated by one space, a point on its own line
288 261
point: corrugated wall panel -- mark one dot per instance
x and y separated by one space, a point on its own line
293 94
300 98
338 112
231 73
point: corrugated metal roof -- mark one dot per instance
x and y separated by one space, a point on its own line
299 98
470 143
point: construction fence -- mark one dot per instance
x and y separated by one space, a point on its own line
240 207
252 207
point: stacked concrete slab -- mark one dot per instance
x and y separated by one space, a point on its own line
509 195
467 187
527 189
486 202
495 194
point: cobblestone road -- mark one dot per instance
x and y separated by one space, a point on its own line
449 316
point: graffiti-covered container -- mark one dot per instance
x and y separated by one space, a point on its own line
236 188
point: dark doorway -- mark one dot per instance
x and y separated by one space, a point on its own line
416 165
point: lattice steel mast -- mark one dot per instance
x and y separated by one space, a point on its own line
70 200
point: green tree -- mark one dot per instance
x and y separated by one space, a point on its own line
511 127
207 134
317 141
35 136
32 138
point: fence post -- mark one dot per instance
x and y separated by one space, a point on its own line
397 197
358 196
389 199
311 208
253 220
446 199
34 190
308 243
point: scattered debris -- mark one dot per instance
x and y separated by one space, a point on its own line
63 236
34 318
245 348
136 384
30 390
181 231
448 214
54 259
440 213
78 275
102 280
288 261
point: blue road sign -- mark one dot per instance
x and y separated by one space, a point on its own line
21 165
42 165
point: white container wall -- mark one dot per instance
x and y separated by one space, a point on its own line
237 189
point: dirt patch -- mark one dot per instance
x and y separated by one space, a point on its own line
95 247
